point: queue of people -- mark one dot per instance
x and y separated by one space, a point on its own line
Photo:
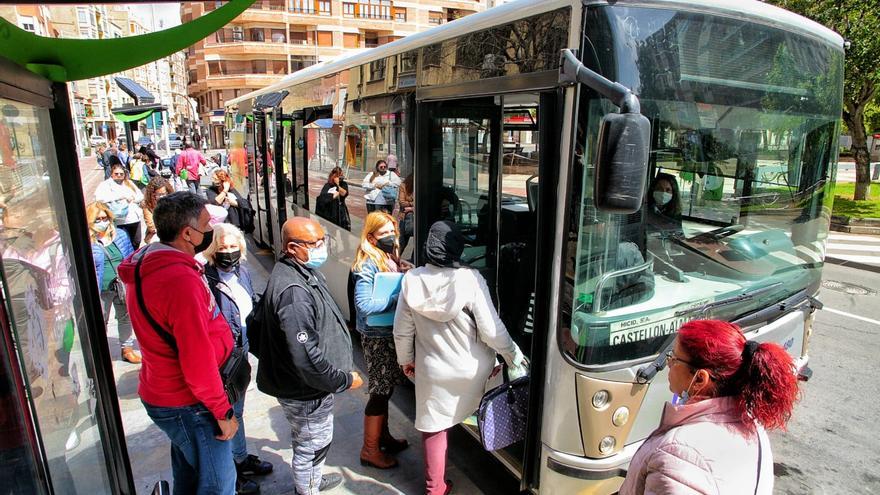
444 335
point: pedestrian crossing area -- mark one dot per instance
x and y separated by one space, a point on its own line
855 248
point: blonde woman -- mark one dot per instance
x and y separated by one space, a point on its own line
230 282
110 245
378 252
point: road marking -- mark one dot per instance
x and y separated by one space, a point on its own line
850 315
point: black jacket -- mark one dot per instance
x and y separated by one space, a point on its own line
304 345
333 209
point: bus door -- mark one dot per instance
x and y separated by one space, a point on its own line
299 197
280 180
260 182
480 163
457 174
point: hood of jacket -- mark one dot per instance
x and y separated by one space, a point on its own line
431 291
158 257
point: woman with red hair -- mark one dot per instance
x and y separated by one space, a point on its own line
712 439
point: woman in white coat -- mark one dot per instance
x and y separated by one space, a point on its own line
123 198
447 333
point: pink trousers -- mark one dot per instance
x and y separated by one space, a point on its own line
435 462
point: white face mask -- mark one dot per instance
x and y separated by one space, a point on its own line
662 197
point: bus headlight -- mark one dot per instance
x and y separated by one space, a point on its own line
600 399
620 417
607 444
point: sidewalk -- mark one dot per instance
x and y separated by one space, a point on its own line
268 433
856 250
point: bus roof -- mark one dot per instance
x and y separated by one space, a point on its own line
525 8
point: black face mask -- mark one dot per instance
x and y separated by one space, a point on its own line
227 261
207 238
387 243
382 172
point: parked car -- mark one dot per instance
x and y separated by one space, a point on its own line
96 140
175 142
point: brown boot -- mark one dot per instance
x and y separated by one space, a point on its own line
129 354
388 443
370 453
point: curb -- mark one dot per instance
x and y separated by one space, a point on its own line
852 264
849 225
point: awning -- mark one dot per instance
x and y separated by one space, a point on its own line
137 113
269 100
321 124
139 93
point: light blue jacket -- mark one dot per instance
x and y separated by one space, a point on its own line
366 305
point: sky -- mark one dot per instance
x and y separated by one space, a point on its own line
167 13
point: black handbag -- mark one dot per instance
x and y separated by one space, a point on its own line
503 413
235 372
116 285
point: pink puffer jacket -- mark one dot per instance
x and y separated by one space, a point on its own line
702 448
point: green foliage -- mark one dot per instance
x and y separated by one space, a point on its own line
858 21
844 205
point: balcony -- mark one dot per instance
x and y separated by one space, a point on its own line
230 48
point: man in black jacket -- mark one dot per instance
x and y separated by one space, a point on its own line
305 351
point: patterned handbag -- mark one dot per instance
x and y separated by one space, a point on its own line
503 412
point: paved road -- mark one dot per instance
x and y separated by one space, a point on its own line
831 446
854 248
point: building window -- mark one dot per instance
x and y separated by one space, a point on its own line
324 7
193 77
83 15
351 40
377 70
279 67
408 61
302 38
371 39
348 9
237 33
431 55
259 66
257 34
400 14
302 6
278 36
28 24
435 18
325 38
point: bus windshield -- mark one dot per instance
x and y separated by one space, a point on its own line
745 119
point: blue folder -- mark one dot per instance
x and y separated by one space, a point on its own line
385 285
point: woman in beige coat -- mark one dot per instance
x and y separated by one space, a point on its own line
447 332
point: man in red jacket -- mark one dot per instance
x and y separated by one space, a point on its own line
182 390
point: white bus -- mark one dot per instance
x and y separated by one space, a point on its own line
692 179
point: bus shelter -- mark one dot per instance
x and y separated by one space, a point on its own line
60 424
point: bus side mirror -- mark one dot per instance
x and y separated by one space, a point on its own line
624 140
622 162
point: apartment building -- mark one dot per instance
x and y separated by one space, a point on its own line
273 38
93 99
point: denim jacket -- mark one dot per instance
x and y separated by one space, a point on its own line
365 304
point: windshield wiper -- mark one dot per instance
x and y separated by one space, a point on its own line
647 372
728 301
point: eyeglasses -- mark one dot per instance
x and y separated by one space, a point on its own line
101 219
671 358
317 243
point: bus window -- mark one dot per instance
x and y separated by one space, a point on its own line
740 168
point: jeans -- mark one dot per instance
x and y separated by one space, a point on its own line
311 428
200 464
193 186
239 441
123 322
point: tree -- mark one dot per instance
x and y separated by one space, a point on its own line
858 21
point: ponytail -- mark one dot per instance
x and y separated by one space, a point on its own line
768 386
760 376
